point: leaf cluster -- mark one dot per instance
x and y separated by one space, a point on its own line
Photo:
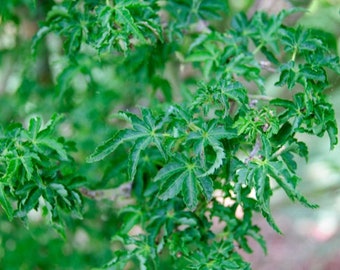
207 148
224 139
38 173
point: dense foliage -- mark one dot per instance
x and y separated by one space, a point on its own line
178 179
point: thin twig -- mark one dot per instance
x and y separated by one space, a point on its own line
255 150
260 97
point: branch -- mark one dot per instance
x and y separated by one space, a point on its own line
260 97
255 150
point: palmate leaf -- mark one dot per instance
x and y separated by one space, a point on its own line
143 133
210 135
186 177
42 139
288 75
256 176
279 171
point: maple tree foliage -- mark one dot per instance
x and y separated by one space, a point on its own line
224 134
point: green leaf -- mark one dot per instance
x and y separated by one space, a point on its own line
284 133
287 181
32 200
11 169
266 147
288 75
51 125
57 12
34 127
210 135
169 170
332 131
173 186
283 103
164 86
262 187
206 185
28 165
200 56
220 156
5 203
125 16
38 37
111 144
312 73
190 191
54 145
143 133
184 176
60 189
269 217
130 219
134 156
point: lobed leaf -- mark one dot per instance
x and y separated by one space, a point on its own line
111 144
279 172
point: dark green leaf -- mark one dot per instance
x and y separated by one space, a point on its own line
190 191
173 186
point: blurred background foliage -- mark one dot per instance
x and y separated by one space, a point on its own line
91 88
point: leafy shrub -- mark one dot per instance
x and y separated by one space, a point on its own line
207 147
